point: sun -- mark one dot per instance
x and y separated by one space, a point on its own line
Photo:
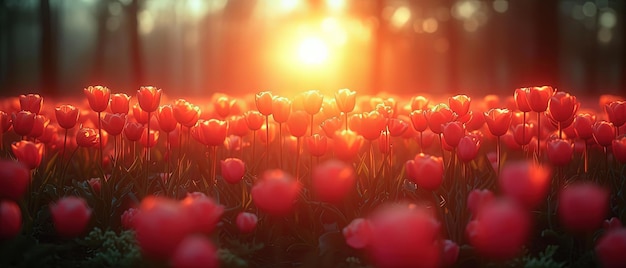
313 51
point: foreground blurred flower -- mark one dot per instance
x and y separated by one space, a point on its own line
67 116
160 226
525 182
233 170
332 181
246 222
499 230
23 123
195 252
14 179
583 207
404 236
149 98
358 233
560 152
128 218
87 137
10 219
31 103
98 97
347 145
612 224
211 132
477 199
203 211
119 103
28 153
610 249
426 171
70 216
276 192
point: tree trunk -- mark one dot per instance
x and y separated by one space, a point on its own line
48 75
136 56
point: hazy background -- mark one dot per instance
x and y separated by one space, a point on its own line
197 47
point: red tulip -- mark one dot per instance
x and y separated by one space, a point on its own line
525 182
67 116
616 111
583 207
203 211
345 99
246 222
165 117
195 252
560 151
397 127
23 122
498 121
211 132
453 132
437 116
87 137
10 219
538 98
128 218
186 113
419 103
521 99
316 144
313 100
477 121
347 145
14 179
264 102
70 216
254 120
140 115
611 247
583 125
5 122
427 171
477 199
468 147
373 123
612 224
98 97
272 133
499 230
149 98
523 133
50 135
160 226
562 106
95 184
459 104
233 170
358 233
133 131
114 123
31 103
619 149
298 123
41 123
332 181
28 153
419 120
223 105
150 141
603 133
119 103
404 236
275 193
450 253
237 126
281 109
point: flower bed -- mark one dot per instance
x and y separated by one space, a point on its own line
533 179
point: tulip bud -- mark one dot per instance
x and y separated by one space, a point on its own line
114 123
345 99
560 151
521 99
14 179
468 147
298 123
437 116
313 100
264 101
619 149
373 123
419 103
23 122
151 140
254 120
149 98
450 253
128 218
28 153
275 193
538 98
418 118
583 124
611 247
246 222
616 112
427 170
10 219
133 131
238 126
31 103
223 106
347 145
186 113
603 133
119 103
233 170
453 132
498 121
67 116
87 137
211 132
459 104
98 97
316 144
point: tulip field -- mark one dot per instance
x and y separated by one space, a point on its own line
534 178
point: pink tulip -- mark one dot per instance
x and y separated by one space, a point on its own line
583 207
204 213
358 233
611 247
525 182
246 222
70 216
10 219
276 192
333 180
195 252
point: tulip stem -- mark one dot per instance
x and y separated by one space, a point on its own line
538 136
214 166
253 147
346 114
586 157
100 136
267 141
167 160
498 147
421 141
280 145
372 166
148 150
443 158
64 147
298 158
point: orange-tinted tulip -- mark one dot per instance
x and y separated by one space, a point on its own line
119 103
98 97
345 99
140 115
347 144
298 123
246 222
562 107
150 141
333 180
453 132
498 121
149 98
616 111
23 122
165 116
331 125
238 126
223 105
525 182
276 192
521 99
14 179
317 144
426 171
264 102
397 127
133 131
459 104
233 170
313 100
419 103
28 153
437 116
560 152
372 124
281 109
186 113
70 216
619 149
583 207
583 125
114 123
67 116
31 103
419 120
10 219
87 137
468 147
603 133
538 98
211 132
254 120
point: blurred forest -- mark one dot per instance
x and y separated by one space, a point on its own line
197 47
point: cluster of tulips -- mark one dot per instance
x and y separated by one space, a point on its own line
405 180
